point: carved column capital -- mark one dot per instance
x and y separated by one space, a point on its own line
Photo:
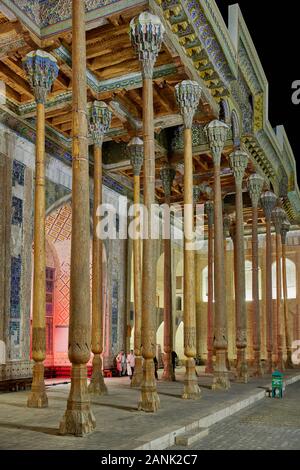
209 211
217 133
238 162
268 201
146 33
42 70
135 150
167 175
188 95
255 187
99 121
278 216
285 228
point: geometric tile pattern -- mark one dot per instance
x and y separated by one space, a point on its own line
15 287
59 224
114 312
18 173
17 211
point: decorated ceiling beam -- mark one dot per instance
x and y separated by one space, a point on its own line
45 19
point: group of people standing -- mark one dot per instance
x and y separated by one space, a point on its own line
125 364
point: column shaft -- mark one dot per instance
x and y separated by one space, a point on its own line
280 362
38 397
137 287
191 389
149 397
269 305
256 333
240 294
289 363
168 373
210 313
97 385
78 418
221 379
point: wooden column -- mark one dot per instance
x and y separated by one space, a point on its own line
78 418
268 202
136 153
217 132
226 229
187 96
285 228
209 211
167 175
42 70
238 162
146 37
99 122
278 217
255 187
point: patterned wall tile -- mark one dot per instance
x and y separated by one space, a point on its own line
17 211
18 172
16 267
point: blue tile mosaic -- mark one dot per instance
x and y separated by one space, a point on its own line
17 211
18 172
15 287
114 313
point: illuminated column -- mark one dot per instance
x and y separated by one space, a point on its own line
255 187
78 418
99 122
226 229
188 96
278 216
196 196
167 175
41 69
209 211
217 132
146 36
285 228
268 202
136 153
238 162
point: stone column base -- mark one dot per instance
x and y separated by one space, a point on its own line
97 385
78 419
168 373
38 397
257 365
149 401
209 369
221 377
191 389
242 375
137 377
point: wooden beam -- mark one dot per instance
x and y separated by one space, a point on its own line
101 62
107 45
14 81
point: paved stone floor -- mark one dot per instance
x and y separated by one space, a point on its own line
268 425
119 424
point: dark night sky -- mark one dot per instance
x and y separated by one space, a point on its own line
277 41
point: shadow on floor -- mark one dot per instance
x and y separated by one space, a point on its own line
44 430
117 407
